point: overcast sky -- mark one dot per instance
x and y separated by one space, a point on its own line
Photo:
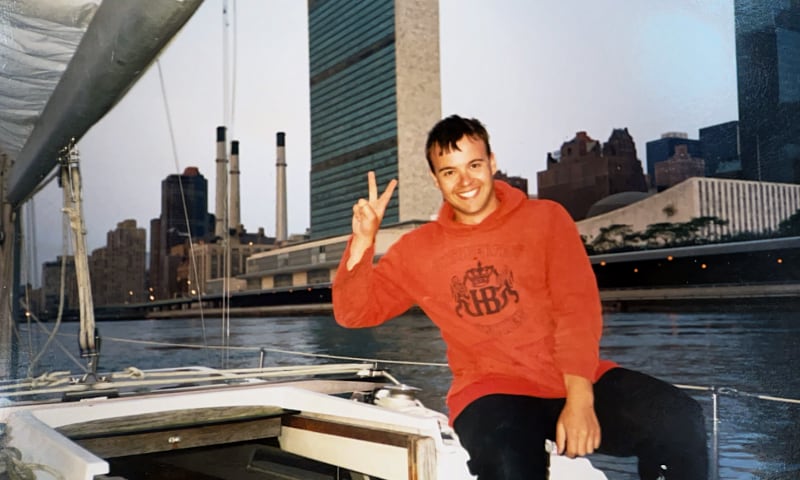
535 72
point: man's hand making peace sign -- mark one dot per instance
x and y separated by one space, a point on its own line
367 217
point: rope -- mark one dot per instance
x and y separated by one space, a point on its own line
733 392
195 376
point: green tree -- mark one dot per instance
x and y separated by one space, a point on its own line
791 226
699 230
611 237
658 234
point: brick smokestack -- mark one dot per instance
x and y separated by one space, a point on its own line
236 204
280 202
222 184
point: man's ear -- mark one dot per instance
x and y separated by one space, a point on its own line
492 164
435 180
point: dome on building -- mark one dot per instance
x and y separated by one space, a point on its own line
615 201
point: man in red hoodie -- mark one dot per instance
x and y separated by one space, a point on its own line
508 282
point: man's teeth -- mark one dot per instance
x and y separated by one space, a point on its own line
469 194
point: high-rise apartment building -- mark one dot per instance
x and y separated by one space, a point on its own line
664 148
375 94
184 207
118 269
520 183
587 171
679 167
184 213
768 74
52 289
127 248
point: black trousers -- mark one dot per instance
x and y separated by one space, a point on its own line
639 416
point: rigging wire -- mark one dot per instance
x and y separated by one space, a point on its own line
28 234
57 343
271 350
65 241
234 59
229 67
136 373
229 64
225 79
192 256
33 257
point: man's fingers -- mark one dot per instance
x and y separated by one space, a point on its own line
373 186
387 194
362 209
561 438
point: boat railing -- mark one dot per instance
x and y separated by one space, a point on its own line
66 383
55 382
717 392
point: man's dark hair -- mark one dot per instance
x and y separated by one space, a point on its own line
450 130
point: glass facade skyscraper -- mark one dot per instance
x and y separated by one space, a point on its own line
184 208
768 69
374 83
720 145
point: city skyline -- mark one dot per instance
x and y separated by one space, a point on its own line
521 70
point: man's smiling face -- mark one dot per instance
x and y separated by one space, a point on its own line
465 176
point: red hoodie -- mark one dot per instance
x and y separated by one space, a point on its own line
514 297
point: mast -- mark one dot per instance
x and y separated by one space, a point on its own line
10 246
73 208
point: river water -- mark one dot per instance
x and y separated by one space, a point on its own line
755 353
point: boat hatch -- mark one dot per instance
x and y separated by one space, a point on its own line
157 432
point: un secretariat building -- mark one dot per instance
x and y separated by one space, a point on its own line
375 93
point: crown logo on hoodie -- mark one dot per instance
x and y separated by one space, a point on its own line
483 290
480 275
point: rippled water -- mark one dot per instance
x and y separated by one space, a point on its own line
753 353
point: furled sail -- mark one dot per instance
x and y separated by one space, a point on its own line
63 65
117 46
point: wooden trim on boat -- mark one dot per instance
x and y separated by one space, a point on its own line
162 431
373 435
421 450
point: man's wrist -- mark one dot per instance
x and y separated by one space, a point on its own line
580 390
358 247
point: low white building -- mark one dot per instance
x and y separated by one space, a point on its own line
747 206
310 263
